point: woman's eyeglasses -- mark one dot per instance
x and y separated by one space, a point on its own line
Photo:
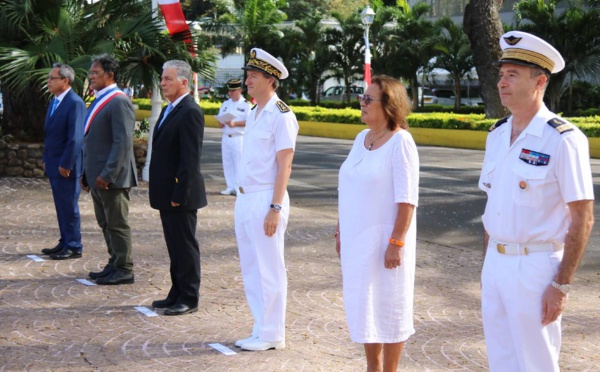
367 99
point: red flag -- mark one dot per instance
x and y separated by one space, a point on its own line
176 24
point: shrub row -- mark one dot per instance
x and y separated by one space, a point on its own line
590 125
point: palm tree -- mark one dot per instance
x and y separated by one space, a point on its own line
251 25
315 56
290 49
346 50
455 55
35 34
408 45
575 33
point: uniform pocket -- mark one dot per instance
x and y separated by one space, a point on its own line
264 142
528 182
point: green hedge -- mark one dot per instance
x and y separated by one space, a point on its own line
590 125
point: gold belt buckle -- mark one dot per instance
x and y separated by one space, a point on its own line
242 190
501 249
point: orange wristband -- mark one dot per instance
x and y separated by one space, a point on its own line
395 242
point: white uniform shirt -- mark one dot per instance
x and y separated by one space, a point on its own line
530 183
272 131
241 110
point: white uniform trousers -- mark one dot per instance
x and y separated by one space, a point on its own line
262 262
231 153
511 304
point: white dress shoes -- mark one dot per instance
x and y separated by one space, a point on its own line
228 192
259 345
239 343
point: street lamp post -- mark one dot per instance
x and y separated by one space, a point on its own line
367 16
156 101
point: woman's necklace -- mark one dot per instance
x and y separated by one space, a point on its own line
374 140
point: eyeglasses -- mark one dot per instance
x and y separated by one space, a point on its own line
367 99
55 77
95 73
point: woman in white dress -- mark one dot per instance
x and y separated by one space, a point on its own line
376 234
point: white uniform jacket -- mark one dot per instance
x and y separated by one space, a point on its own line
240 109
530 183
275 129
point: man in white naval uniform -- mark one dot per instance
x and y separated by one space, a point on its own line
233 132
263 205
539 213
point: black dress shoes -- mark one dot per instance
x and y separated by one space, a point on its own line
161 304
50 251
101 274
116 277
180 309
65 254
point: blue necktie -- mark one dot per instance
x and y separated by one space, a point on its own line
167 112
54 104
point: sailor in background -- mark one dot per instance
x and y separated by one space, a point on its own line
233 133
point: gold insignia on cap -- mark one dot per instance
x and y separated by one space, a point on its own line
234 84
512 40
263 66
528 56
253 54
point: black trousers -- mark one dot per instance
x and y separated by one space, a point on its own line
180 234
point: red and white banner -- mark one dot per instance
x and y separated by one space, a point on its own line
176 24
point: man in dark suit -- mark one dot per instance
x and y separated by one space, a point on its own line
177 186
109 167
62 159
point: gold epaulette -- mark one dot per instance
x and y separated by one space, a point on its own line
282 106
560 125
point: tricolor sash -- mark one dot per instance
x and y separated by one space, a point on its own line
98 104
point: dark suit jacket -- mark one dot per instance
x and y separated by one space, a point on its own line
108 146
175 161
63 136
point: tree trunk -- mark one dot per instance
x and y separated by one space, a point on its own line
483 27
414 86
457 93
24 118
570 101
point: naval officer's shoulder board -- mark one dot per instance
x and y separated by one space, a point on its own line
282 107
562 126
499 123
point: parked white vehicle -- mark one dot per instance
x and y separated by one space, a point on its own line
338 93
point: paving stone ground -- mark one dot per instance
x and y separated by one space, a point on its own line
51 322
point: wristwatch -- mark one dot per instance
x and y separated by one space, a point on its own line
564 288
276 207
